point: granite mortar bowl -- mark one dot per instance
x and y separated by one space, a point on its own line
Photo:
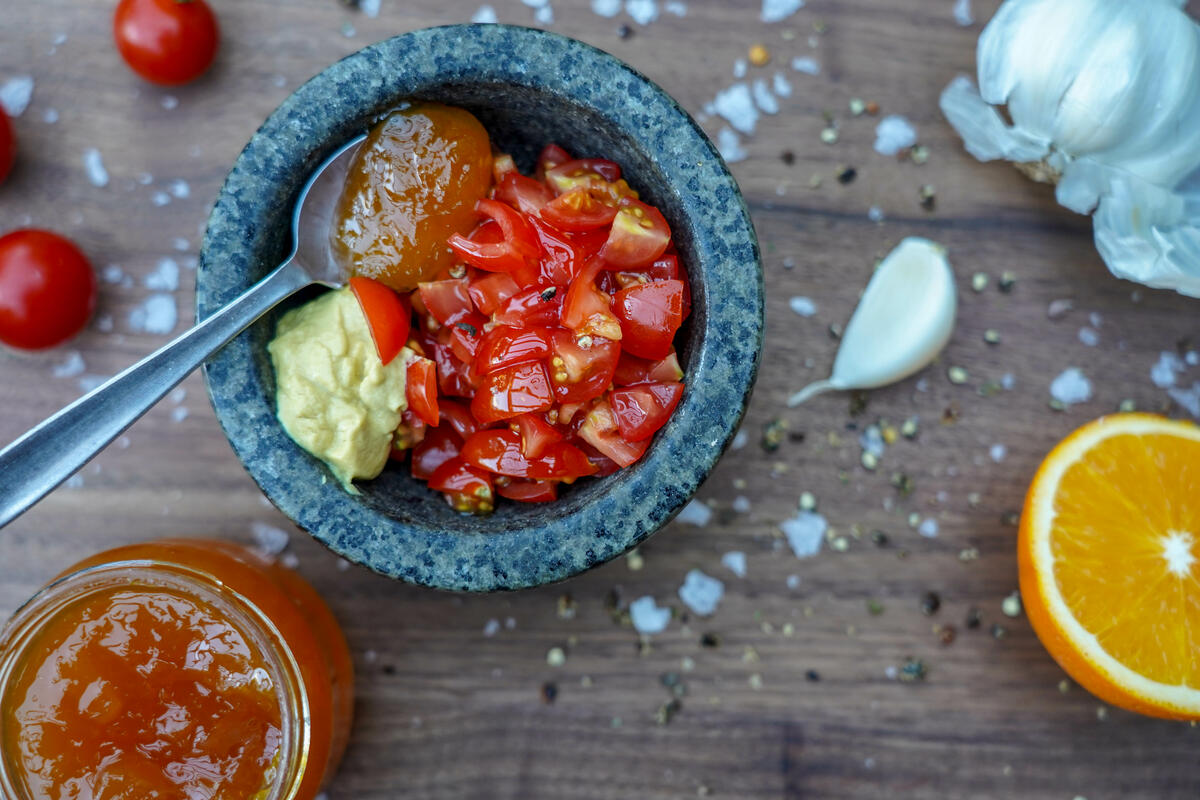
528 87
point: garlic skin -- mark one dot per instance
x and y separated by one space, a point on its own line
904 319
1104 98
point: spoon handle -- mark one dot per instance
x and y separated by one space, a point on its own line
49 453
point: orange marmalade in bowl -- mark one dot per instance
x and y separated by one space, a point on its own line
188 669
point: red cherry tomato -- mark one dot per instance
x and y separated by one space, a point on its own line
47 289
166 41
447 301
641 410
580 373
458 416
536 434
551 156
499 451
513 391
580 209
632 370
519 243
465 335
534 307
650 313
587 310
503 346
420 389
600 430
389 316
561 257
586 172
439 446
8 146
524 194
638 236
524 491
490 290
466 488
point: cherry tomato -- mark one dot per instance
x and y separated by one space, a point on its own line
582 172
524 194
580 373
47 289
524 491
490 290
580 209
632 370
420 389
389 316
8 145
519 244
503 346
502 165
499 451
587 310
638 236
467 488
536 434
447 301
561 257
458 416
513 391
465 335
166 41
551 156
650 313
641 410
600 430
533 307
439 446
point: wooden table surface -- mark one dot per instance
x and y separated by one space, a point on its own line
800 698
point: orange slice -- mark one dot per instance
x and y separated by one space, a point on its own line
1109 552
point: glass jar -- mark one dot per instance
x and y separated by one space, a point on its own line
186 667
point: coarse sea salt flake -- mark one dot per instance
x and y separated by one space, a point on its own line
740 68
15 94
160 199
165 277
1071 386
1164 370
804 306
730 146
928 528
180 244
369 7
157 315
893 134
1187 398
179 414
763 98
701 593
69 367
491 628
647 616
695 513
170 102
806 65
606 8
736 105
50 116
643 12
962 13
179 189
93 164
1089 337
997 452
269 539
675 7
777 10
805 532
781 86
741 504
740 440
735 562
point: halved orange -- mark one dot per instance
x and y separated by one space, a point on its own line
1109 553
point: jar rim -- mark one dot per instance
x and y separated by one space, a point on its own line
22 628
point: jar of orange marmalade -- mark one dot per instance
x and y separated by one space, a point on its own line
173 669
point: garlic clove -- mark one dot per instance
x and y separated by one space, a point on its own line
903 320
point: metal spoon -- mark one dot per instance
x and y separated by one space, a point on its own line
48 454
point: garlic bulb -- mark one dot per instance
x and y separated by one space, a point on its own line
1104 99
903 320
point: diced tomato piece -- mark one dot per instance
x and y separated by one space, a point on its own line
489 291
650 314
524 491
631 370
587 310
664 268
561 258
499 451
551 156
465 335
531 308
641 410
389 316
454 377
536 434
600 430
504 346
604 465
589 243
509 392
566 411
446 301
502 165
585 172
467 488
524 194
638 236
580 209
420 389
519 243
439 446
458 416
580 373
409 433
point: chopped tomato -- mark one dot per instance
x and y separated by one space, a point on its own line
465 335
536 434
567 411
524 194
600 430
638 236
409 433
585 172
551 156
458 416
604 465
589 243
519 242
389 316
561 258
586 309
641 410
650 314
631 370
499 451
420 389
664 268
454 377
467 488
439 446
524 491
533 307
580 209
503 165
504 346
490 290
446 301
509 392
580 373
